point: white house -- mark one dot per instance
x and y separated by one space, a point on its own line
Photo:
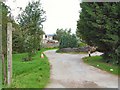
49 39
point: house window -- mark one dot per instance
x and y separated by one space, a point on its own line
45 36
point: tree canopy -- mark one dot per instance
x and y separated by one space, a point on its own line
99 25
66 39
60 32
5 19
30 21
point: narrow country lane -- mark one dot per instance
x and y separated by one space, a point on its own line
69 71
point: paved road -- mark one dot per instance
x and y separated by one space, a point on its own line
69 71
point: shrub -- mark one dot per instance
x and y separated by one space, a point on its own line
68 41
82 44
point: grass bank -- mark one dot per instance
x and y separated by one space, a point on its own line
97 61
30 74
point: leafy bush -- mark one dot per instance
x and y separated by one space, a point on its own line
68 41
82 44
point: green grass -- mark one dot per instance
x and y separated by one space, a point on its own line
98 60
30 74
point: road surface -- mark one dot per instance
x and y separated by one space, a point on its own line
69 71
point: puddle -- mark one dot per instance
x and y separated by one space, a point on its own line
78 84
88 84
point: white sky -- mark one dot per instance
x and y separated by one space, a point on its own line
59 13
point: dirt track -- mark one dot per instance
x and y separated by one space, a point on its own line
69 71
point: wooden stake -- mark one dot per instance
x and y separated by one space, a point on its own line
89 53
4 69
9 52
0 47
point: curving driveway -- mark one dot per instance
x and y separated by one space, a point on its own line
69 71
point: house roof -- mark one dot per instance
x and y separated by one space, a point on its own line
50 34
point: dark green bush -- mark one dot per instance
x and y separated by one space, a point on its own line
68 41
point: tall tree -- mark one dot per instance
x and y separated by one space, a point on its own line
99 25
60 32
66 39
30 21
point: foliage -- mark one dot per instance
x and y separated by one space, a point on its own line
30 21
99 25
17 39
82 44
97 61
60 32
5 19
67 40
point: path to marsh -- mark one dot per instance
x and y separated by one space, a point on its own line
69 71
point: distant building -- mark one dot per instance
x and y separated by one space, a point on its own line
48 37
48 41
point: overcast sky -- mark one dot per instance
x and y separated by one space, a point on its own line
59 13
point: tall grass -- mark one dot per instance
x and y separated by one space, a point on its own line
30 74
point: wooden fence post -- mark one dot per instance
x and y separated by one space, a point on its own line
9 52
0 46
0 57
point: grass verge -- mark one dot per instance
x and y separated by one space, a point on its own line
30 74
97 61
